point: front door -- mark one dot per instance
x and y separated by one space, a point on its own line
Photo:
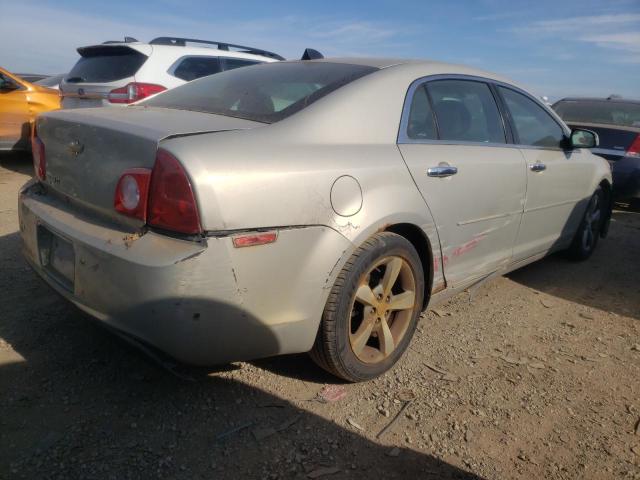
556 178
453 141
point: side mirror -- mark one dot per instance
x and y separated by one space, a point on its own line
584 138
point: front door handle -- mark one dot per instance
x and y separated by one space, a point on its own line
442 171
537 167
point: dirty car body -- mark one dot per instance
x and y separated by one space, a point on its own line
287 184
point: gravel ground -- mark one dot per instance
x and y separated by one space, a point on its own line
536 376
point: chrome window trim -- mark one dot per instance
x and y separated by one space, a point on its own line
403 138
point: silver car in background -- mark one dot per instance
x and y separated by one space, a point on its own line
305 206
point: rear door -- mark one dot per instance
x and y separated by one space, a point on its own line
454 142
558 178
101 69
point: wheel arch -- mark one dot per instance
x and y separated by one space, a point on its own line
606 186
416 236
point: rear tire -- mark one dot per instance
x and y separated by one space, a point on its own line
372 310
586 238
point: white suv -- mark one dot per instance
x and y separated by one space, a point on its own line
119 73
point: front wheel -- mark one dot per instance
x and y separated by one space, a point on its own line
586 239
372 310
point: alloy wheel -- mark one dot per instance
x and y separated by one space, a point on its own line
382 309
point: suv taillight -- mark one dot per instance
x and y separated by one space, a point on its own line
634 149
172 204
133 92
39 158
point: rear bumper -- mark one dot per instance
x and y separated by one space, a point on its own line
626 178
200 302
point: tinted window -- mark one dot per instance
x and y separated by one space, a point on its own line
265 93
106 64
421 125
608 112
466 111
231 63
196 67
533 125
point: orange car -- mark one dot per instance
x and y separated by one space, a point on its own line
20 103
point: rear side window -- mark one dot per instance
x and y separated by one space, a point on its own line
231 63
264 93
533 125
106 64
191 68
421 124
593 111
466 111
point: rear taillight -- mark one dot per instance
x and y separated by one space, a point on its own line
133 92
634 149
39 158
132 193
172 204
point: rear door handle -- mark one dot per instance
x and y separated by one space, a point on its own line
442 171
537 167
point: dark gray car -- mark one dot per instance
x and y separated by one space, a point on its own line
617 123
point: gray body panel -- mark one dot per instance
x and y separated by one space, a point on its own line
325 179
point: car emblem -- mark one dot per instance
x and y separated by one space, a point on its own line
75 147
81 91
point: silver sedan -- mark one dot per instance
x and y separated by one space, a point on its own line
305 206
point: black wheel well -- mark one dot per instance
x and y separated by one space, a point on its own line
606 188
416 236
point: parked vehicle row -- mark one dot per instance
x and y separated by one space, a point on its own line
617 123
315 205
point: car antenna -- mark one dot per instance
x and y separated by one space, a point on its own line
311 54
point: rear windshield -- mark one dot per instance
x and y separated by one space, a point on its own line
106 64
608 112
263 93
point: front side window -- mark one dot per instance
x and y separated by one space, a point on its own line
533 125
263 93
466 111
191 68
421 125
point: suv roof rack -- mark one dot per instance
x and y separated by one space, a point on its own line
126 40
181 42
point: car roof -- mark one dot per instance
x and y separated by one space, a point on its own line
599 99
147 49
190 47
421 67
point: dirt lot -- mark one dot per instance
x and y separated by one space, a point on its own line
536 376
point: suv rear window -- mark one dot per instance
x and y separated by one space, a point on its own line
263 93
607 112
106 64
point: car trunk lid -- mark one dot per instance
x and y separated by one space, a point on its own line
88 150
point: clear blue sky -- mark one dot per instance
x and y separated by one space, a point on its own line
556 48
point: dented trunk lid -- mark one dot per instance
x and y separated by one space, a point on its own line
88 150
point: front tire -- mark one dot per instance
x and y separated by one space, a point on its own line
590 229
372 310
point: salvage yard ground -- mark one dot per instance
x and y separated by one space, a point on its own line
536 376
